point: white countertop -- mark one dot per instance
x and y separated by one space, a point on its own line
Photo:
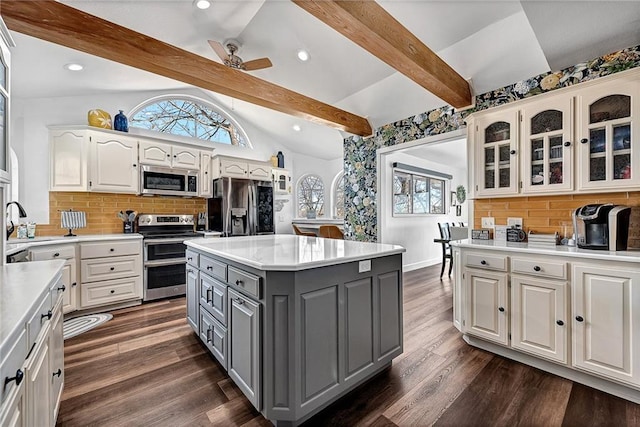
286 252
22 287
16 245
568 251
210 233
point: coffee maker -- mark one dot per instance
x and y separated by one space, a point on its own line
602 226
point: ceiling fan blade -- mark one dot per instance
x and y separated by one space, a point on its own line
219 49
257 64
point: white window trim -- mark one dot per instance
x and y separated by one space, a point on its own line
297 199
334 187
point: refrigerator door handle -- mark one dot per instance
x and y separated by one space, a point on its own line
251 212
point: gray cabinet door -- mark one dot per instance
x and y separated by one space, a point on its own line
214 335
244 346
213 297
192 298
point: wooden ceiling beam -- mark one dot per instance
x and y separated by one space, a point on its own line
61 24
371 27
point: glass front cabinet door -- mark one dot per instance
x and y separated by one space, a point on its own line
608 136
496 154
547 145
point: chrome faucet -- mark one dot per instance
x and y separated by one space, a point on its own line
21 214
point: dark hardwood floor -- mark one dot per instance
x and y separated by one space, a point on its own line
146 367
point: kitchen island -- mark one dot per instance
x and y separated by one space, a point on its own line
296 321
569 311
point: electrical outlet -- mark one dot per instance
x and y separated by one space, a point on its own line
511 222
488 222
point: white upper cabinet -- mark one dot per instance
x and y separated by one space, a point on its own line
206 181
158 153
547 146
69 151
232 167
260 171
5 65
496 142
113 163
609 155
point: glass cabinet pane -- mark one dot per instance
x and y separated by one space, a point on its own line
597 140
504 179
546 121
537 161
622 137
489 167
498 131
556 171
610 107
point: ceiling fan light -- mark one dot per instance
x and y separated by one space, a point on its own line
202 4
303 55
74 67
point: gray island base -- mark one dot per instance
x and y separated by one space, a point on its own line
296 321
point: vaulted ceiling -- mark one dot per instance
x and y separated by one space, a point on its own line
491 43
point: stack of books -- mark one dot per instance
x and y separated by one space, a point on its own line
539 240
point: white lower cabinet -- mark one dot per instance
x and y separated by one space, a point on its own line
244 345
37 376
68 287
487 305
606 321
13 413
56 368
539 323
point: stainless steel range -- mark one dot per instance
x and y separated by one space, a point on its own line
164 253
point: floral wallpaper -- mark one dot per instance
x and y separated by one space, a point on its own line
360 169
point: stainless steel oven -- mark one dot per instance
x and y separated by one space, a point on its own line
168 181
164 253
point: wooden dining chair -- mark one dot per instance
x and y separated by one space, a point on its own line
445 235
302 233
330 232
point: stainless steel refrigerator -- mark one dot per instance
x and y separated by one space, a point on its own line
241 207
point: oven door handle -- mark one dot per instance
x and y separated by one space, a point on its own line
163 262
151 242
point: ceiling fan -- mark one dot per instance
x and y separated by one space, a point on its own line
234 61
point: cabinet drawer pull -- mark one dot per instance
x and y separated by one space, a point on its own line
18 378
62 288
559 322
209 267
57 254
209 335
190 259
239 301
239 282
567 143
501 309
190 270
48 315
57 373
483 262
74 284
536 268
580 318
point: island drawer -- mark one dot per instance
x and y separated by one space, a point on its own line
245 281
213 297
52 252
94 269
545 268
12 362
214 336
111 248
214 268
192 258
486 261
40 316
110 291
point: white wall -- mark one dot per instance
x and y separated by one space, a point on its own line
30 118
416 232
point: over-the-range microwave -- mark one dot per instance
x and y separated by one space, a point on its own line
168 181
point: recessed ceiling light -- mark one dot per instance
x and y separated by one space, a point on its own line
303 55
74 67
203 4
297 128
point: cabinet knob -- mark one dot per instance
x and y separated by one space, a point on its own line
57 254
580 318
239 283
112 291
111 250
206 173
567 143
62 288
501 309
559 322
135 165
190 259
48 315
512 152
174 156
168 155
112 268
190 270
239 301
74 284
18 378
209 267
536 268
483 262
57 373
584 140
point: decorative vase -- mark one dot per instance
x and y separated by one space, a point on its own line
280 159
120 122
99 118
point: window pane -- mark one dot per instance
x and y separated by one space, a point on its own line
420 194
498 131
189 118
401 192
610 108
339 198
310 196
436 196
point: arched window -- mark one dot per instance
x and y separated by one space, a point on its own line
188 116
310 191
338 196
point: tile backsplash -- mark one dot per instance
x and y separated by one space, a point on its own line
547 214
101 210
